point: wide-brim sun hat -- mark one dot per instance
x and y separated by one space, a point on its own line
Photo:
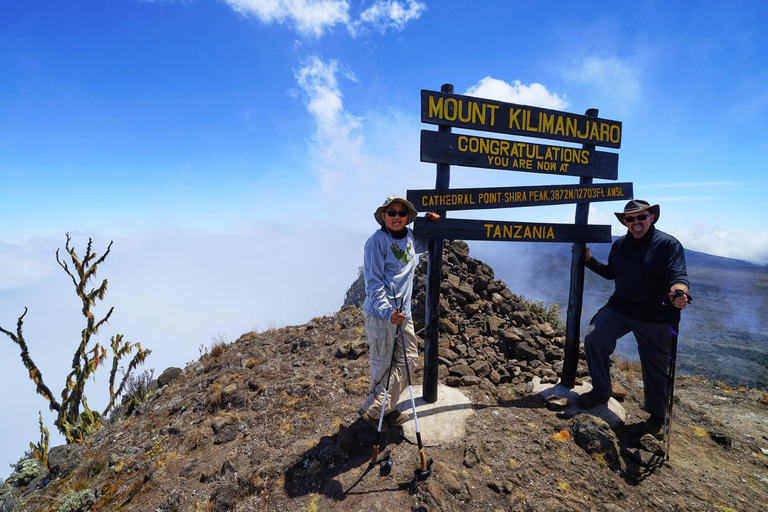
638 205
412 213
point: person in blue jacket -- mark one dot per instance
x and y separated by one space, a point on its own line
389 264
647 266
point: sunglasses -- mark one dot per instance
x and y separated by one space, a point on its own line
399 213
628 218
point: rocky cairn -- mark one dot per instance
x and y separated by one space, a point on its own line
488 334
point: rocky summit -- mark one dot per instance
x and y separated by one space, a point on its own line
270 423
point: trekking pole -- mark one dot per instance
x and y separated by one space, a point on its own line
671 379
424 470
670 391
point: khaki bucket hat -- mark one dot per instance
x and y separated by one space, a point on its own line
412 213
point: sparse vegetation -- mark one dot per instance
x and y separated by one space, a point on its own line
624 365
75 420
135 392
550 312
725 388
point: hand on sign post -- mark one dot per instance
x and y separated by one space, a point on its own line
587 255
432 216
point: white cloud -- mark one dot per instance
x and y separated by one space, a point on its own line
315 17
612 78
336 139
385 14
25 263
749 246
515 92
310 17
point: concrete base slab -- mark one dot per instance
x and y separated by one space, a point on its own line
612 411
439 423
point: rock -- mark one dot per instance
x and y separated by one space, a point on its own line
618 391
168 376
596 438
444 474
461 370
546 330
472 455
224 497
645 458
453 381
447 353
650 444
721 438
509 336
224 429
448 326
153 386
481 368
557 404
525 351
473 309
470 380
521 317
495 286
64 459
493 324
231 397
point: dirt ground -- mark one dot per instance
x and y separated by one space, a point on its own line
270 423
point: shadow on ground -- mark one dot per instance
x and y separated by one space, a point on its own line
321 468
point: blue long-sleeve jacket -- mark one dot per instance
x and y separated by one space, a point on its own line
390 261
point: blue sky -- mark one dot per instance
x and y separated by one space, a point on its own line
235 150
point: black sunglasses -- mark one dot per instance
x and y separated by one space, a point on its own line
639 217
399 213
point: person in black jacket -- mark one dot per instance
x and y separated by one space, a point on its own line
647 265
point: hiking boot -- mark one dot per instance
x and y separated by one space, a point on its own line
591 399
655 427
374 422
395 418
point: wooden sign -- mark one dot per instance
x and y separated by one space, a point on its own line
509 155
464 229
511 197
494 116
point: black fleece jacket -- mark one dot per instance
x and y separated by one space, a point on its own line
644 270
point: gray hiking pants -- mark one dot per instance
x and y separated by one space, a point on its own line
381 341
653 345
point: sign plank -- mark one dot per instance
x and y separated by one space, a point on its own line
467 229
509 155
495 116
512 197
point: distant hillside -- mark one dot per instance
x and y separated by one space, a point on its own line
724 334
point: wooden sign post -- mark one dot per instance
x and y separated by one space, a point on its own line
445 148
434 271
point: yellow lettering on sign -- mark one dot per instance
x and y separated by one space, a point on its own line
546 123
514 122
466 111
435 109
519 232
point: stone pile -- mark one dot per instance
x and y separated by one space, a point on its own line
488 334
